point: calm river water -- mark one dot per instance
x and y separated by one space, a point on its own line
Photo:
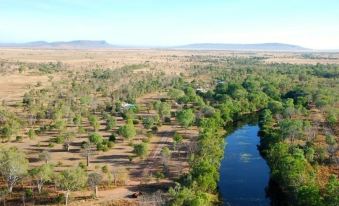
244 174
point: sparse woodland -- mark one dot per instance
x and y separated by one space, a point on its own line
100 129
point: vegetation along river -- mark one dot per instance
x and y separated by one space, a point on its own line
244 174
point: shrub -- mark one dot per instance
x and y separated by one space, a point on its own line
135 121
155 129
104 169
18 138
59 139
141 150
112 138
167 120
82 165
95 138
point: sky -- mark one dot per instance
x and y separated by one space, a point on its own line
309 23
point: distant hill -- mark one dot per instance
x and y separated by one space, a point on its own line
78 44
88 44
244 47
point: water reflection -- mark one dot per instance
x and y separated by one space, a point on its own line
244 174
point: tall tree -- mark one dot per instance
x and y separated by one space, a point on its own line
72 180
13 166
141 150
186 117
87 151
94 122
128 131
41 175
94 179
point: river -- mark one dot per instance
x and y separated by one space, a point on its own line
244 174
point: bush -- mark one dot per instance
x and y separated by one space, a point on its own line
59 199
149 134
159 175
112 138
155 129
104 169
18 138
82 165
29 193
135 121
59 139
110 144
148 122
31 134
141 150
128 130
95 138
146 140
81 130
167 120
102 147
130 158
83 144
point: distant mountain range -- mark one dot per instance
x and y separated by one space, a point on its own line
87 44
245 47
78 44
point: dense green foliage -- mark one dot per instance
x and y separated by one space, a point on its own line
200 184
284 94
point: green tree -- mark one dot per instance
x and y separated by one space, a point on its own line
6 133
95 138
72 180
110 122
94 122
175 93
41 175
332 191
128 130
177 139
164 110
148 122
292 129
11 128
310 196
157 105
141 150
13 166
185 117
31 133
77 120
332 119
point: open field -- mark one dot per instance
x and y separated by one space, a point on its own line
13 84
174 60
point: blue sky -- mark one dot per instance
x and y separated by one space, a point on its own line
310 23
